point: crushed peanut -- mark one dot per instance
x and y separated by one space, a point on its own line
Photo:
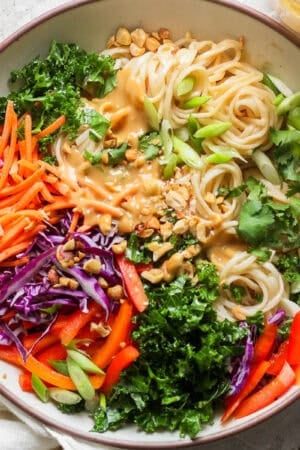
93 266
120 248
115 292
123 36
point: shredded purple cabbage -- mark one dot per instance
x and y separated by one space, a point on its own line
278 317
242 365
34 297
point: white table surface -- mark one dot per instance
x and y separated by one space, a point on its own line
279 433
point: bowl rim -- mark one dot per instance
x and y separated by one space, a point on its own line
280 405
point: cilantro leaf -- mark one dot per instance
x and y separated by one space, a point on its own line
150 144
97 123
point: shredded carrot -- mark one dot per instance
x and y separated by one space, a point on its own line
7 126
9 153
52 128
15 262
104 208
74 222
28 136
13 250
123 195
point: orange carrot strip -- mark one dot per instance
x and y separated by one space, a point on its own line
13 250
9 201
52 127
60 203
30 234
23 185
74 222
13 231
9 153
28 136
28 165
29 196
99 190
32 214
46 194
7 126
126 193
104 208
15 262
118 334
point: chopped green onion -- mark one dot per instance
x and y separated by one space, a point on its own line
84 362
266 166
64 396
169 168
60 366
39 388
182 133
80 379
212 130
295 287
185 86
102 401
188 155
193 124
220 158
267 81
166 137
151 113
278 99
92 405
195 102
294 118
289 103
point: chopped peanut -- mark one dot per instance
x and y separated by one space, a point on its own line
123 36
68 282
92 265
153 275
103 329
135 50
163 33
139 37
159 249
152 44
105 223
103 283
131 154
181 226
115 292
69 245
120 248
153 223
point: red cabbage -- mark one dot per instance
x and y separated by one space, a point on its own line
278 317
242 365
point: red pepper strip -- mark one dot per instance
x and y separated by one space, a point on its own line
256 374
59 324
120 329
76 321
297 373
10 354
278 359
270 392
25 381
265 343
120 362
293 353
46 341
133 283
56 351
141 267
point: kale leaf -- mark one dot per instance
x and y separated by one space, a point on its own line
182 370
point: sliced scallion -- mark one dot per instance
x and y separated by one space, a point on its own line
212 130
166 137
39 388
102 401
288 103
185 86
169 168
278 99
151 113
188 155
84 362
59 366
294 118
220 158
266 167
80 379
64 396
195 102
182 133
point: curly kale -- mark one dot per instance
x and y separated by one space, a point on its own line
182 370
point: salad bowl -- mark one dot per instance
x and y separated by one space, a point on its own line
89 23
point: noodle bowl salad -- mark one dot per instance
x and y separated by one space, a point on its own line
149 218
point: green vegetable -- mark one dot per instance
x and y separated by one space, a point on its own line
136 249
293 118
183 367
263 222
71 409
221 158
151 113
267 81
150 144
98 124
117 154
80 379
64 396
60 366
84 362
39 388
261 254
193 125
170 166
226 192
185 86
278 99
195 102
266 166
289 266
212 130
288 103
187 154
50 87
93 158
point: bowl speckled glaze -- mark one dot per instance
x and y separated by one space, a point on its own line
89 23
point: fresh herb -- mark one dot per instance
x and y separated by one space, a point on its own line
183 368
137 250
264 222
50 87
117 154
93 158
289 266
150 144
226 192
261 254
97 123
71 409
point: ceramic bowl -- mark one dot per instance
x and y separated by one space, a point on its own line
89 23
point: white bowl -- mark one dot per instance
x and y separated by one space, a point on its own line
89 23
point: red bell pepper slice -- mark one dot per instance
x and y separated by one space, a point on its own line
256 374
25 381
119 333
265 343
133 283
121 361
56 352
270 392
278 359
293 353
